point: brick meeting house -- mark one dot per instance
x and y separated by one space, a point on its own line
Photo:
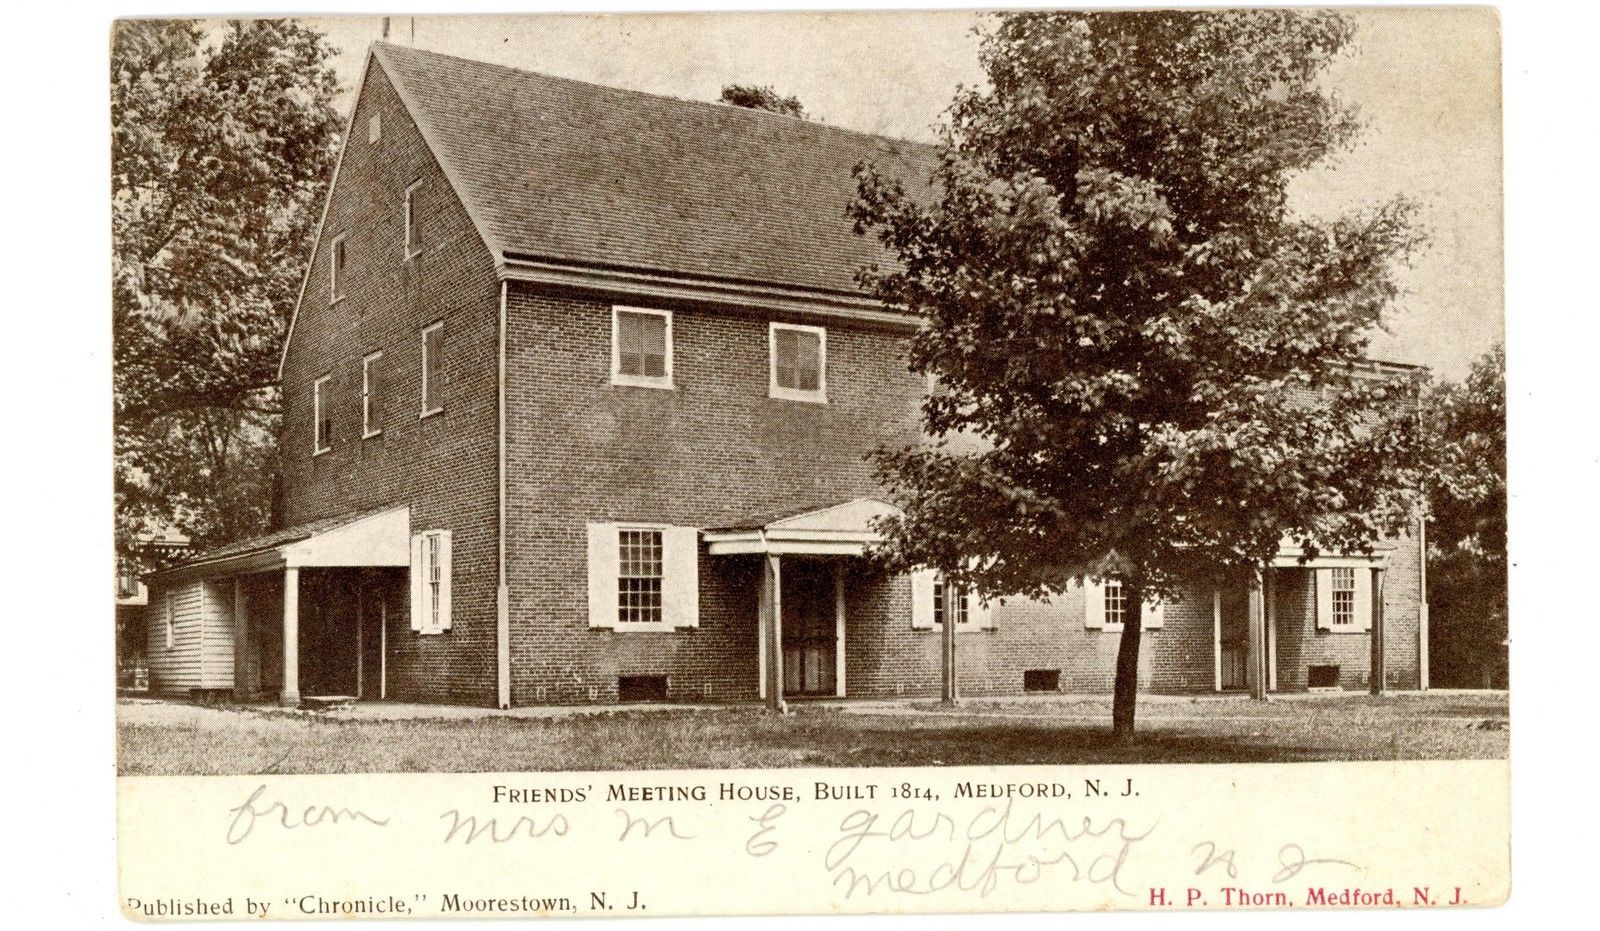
577 399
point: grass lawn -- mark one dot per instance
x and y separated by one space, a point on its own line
175 739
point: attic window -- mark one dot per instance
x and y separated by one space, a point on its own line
641 347
413 229
336 267
375 128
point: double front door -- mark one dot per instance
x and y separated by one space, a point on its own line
810 628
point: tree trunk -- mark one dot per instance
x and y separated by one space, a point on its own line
1126 690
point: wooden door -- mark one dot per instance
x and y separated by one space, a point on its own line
810 628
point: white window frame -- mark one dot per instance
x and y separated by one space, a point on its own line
318 402
171 621
432 580
336 268
941 604
1353 622
374 127
1122 595
368 431
618 377
410 224
819 396
426 410
663 623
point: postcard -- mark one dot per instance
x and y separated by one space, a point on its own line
809 463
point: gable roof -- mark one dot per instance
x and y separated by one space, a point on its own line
564 171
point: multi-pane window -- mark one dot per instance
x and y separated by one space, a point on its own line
413 228
642 354
322 415
1344 597
1116 605
433 369
948 601
170 620
797 361
639 577
433 577
371 416
336 267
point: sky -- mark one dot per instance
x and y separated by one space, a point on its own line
1426 82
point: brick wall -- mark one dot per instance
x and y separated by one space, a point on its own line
443 466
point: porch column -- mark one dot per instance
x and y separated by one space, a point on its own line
1216 640
1379 675
950 694
241 640
290 696
1272 628
1256 648
772 625
838 622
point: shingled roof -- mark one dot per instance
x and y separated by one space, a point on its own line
569 172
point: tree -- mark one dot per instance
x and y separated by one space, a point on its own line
764 97
220 153
1465 429
1142 355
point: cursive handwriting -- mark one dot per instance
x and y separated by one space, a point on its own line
524 827
245 815
647 828
1292 858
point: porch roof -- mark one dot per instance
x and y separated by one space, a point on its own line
367 538
843 529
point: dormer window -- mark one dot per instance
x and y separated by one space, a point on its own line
336 267
413 240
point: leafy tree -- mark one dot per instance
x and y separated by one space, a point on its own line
220 153
764 97
1142 354
1465 427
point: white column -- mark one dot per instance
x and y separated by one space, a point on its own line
1272 629
772 622
1216 640
1256 647
838 638
290 696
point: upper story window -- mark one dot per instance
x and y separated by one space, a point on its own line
336 267
799 357
433 368
413 237
371 413
641 347
1344 597
322 415
375 127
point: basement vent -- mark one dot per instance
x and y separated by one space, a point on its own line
1041 680
641 688
1322 677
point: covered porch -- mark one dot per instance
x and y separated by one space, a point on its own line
303 612
801 603
1302 624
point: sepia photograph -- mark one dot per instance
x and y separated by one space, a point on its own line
812 409
473 416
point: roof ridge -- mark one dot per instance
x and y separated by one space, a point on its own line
710 106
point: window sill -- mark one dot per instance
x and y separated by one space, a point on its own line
426 414
804 397
641 381
335 299
371 434
411 254
621 628
321 452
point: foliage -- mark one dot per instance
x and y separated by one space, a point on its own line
1465 429
763 97
1149 349
220 152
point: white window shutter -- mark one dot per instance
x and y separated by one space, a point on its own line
1324 599
1363 618
980 613
922 599
603 555
1154 615
417 570
444 581
1094 605
680 570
